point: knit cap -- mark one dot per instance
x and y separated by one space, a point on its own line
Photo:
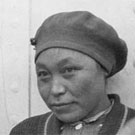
83 32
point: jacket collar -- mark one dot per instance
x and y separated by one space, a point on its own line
52 126
115 119
111 125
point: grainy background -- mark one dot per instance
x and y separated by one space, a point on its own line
19 20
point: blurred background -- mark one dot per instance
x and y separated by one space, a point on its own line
19 20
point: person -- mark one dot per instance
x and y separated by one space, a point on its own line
128 128
76 53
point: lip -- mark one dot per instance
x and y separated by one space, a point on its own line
58 106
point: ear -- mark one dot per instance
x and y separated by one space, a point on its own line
102 70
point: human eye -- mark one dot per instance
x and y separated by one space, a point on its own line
69 69
43 74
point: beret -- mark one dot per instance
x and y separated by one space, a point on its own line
83 32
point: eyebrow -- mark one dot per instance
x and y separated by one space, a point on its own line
40 65
64 61
59 64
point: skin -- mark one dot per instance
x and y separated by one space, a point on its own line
71 83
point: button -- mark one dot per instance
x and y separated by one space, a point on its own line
79 126
100 125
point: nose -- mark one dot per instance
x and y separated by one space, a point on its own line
58 87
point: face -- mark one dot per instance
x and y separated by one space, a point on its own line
71 84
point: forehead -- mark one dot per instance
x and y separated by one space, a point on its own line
55 55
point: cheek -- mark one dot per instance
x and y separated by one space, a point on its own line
82 86
43 90
86 95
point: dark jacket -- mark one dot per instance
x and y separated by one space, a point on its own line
48 124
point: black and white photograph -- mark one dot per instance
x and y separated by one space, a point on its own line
67 67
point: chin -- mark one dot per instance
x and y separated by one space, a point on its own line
69 118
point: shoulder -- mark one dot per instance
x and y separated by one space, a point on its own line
120 111
31 125
130 114
128 128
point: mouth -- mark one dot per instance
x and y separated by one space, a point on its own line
61 106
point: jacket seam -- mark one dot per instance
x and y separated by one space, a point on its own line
46 123
123 120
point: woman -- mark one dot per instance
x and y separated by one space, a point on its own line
76 52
